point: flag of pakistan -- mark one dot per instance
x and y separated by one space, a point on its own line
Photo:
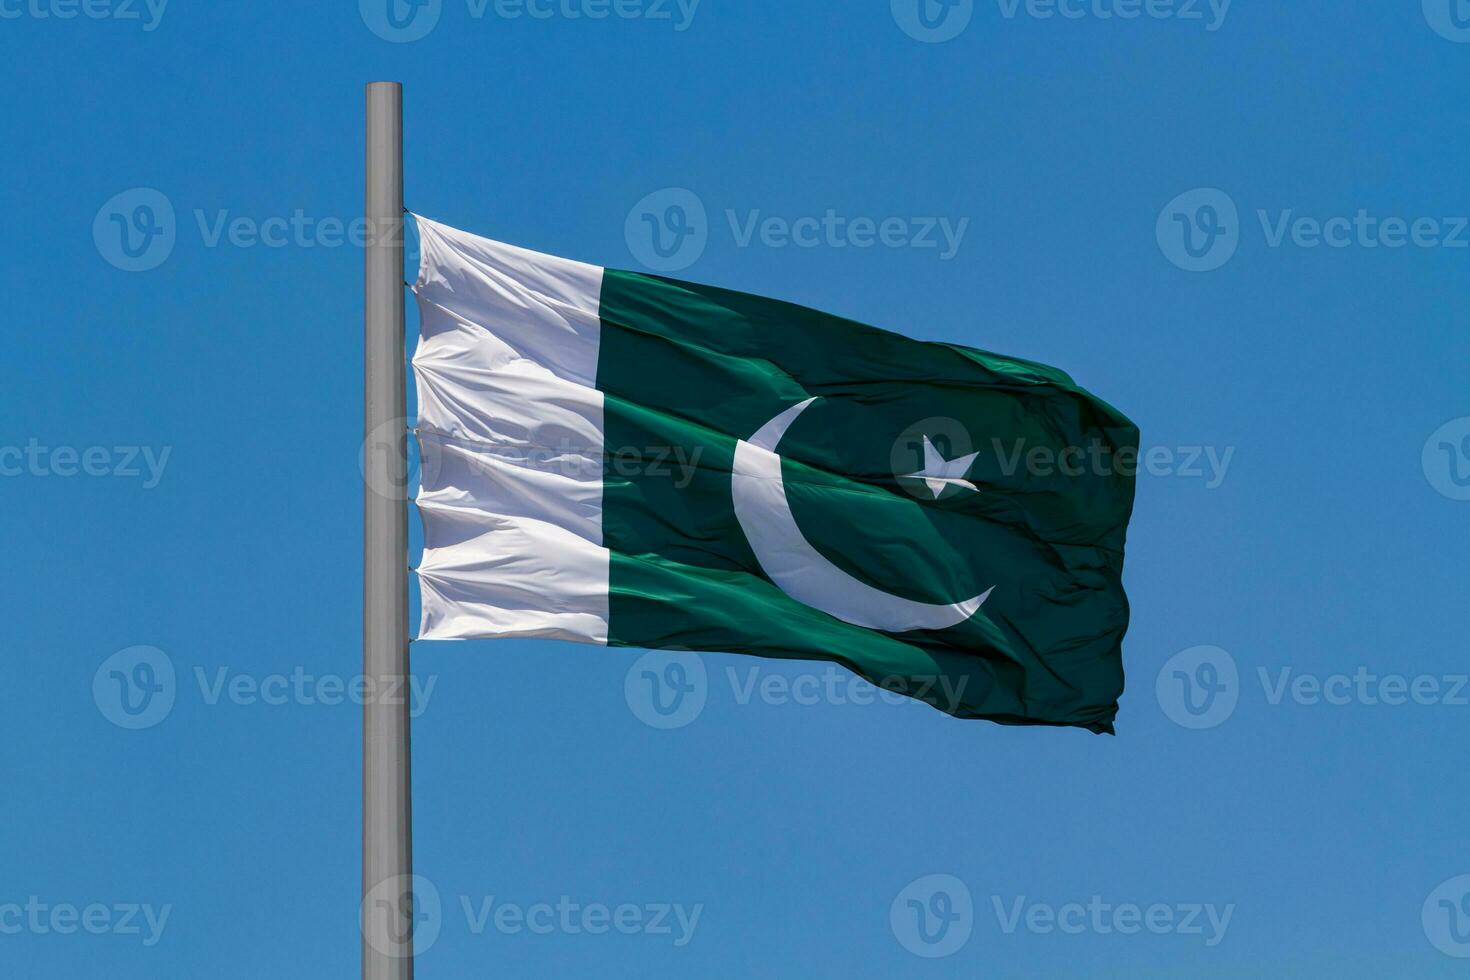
630 460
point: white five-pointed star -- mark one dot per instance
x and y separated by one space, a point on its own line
939 473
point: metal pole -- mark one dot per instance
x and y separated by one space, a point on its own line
387 910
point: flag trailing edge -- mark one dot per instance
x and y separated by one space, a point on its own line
625 459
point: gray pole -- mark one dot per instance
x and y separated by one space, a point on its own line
387 845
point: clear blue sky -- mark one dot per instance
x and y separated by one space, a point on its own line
1332 545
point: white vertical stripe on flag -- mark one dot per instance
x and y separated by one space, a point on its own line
511 433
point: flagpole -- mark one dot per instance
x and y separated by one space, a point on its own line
386 911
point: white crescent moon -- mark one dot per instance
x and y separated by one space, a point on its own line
796 567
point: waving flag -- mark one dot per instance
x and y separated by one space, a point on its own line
631 460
